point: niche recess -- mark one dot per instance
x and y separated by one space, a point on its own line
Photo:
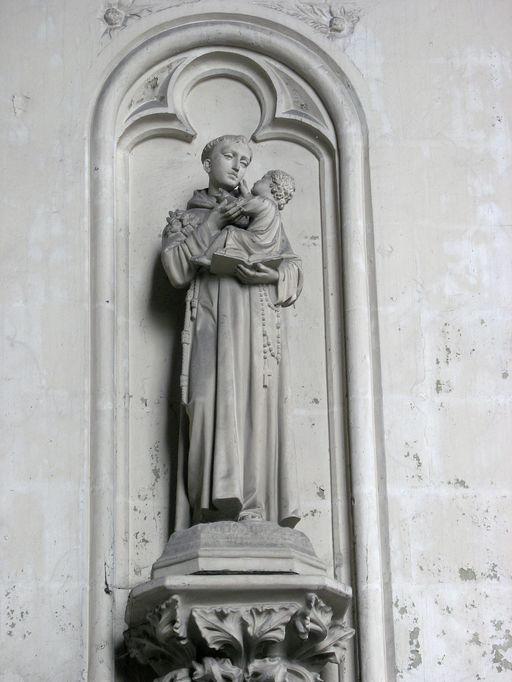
183 86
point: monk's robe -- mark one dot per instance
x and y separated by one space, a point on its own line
236 449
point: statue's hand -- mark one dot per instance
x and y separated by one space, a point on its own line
244 189
259 274
227 212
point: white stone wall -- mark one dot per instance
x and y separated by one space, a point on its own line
439 82
434 79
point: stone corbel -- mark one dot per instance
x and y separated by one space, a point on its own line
260 642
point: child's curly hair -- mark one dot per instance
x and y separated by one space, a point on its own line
282 186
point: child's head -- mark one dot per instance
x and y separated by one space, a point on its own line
276 184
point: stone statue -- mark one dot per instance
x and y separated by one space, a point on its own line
236 457
228 600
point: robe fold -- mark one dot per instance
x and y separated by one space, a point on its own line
236 450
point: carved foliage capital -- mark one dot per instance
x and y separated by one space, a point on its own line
259 643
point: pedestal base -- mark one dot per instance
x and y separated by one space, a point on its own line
251 625
238 547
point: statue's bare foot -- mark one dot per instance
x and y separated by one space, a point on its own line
250 515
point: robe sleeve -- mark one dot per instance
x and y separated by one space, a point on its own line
290 282
291 277
179 247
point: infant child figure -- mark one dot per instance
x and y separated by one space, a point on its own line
263 239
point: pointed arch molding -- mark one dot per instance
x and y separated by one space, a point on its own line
119 120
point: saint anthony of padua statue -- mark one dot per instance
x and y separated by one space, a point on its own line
236 456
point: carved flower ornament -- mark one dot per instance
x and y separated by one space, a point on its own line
342 21
333 20
180 222
117 13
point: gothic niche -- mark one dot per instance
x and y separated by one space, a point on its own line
229 158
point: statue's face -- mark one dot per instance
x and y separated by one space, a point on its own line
227 164
262 186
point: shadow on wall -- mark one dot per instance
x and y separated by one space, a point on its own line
129 669
166 308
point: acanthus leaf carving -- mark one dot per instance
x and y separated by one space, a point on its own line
299 673
180 675
261 643
139 641
314 619
161 641
267 670
321 637
315 653
166 621
220 628
216 670
266 625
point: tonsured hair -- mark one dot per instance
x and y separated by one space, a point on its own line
210 146
282 186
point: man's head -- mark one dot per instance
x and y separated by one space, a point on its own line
225 159
276 184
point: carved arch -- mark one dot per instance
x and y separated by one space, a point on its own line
356 444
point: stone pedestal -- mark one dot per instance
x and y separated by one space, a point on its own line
246 622
238 547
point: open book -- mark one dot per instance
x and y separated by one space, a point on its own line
225 263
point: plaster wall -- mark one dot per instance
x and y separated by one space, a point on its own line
434 80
